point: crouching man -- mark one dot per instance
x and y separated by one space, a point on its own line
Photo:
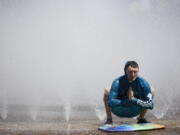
130 95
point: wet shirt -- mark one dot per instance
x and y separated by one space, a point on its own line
141 89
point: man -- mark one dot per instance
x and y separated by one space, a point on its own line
129 95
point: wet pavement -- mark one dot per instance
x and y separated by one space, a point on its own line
76 127
82 121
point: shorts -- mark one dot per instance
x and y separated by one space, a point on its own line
130 110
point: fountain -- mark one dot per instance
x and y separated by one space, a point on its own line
50 49
67 111
99 110
4 107
4 111
33 112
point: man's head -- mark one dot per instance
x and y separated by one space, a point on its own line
131 69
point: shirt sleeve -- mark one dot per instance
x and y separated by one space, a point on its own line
147 102
113 96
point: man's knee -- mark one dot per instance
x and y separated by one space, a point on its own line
106 94
106 91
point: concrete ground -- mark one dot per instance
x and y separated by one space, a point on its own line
82 121
76 127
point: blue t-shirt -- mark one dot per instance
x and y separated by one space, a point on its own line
141 89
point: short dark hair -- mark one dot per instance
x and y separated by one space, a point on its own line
133 64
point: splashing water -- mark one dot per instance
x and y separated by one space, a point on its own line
67 108
33 112
100 113
68 129
4 112
163 105
87 50
161 111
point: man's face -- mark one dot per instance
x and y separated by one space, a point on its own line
132 73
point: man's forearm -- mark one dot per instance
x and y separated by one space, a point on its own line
145 104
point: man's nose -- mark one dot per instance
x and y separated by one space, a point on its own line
133 74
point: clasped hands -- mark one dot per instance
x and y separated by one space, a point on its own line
130 94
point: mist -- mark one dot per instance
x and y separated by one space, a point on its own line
57 52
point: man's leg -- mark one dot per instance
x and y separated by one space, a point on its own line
144 111
108 109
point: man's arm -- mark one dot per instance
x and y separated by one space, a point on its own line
113 96
147 103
